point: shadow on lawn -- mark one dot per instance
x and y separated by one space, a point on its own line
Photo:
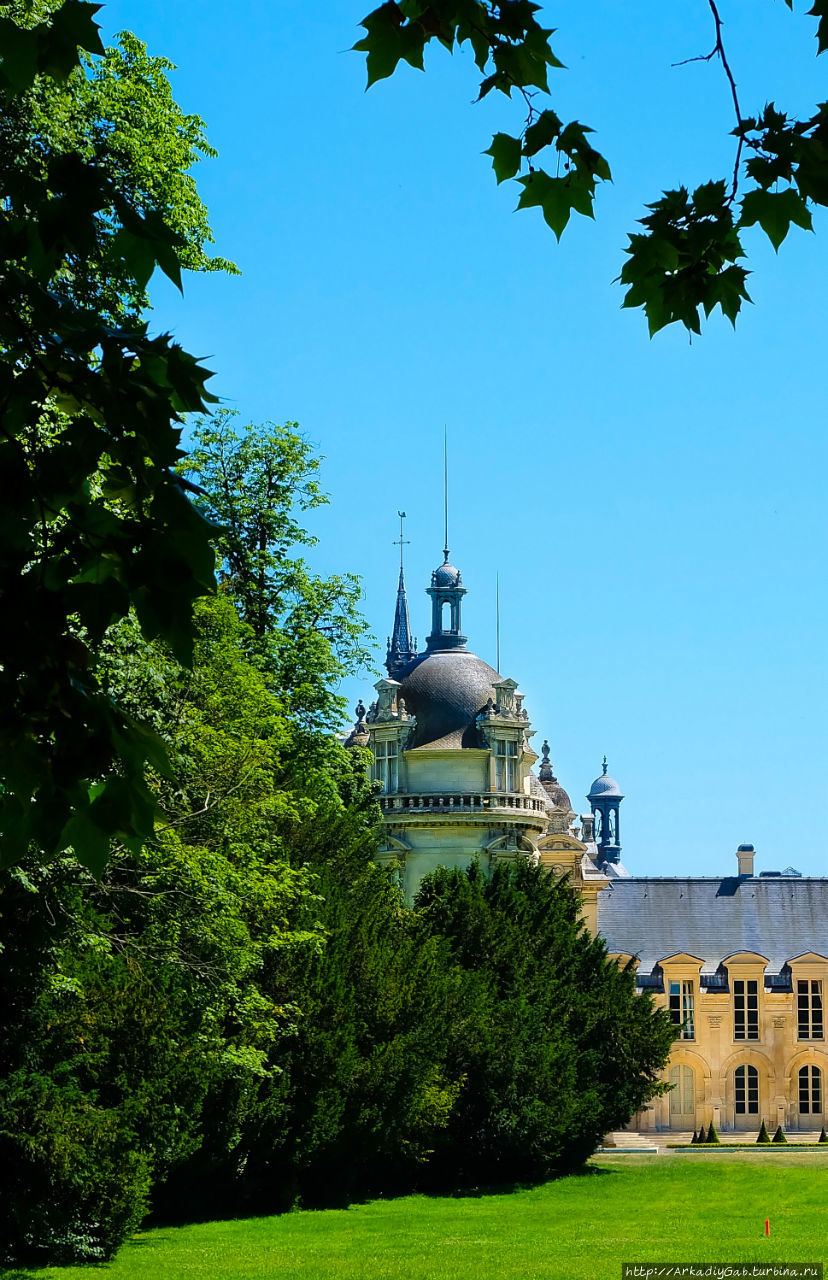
202 1208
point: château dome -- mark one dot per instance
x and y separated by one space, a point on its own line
446 690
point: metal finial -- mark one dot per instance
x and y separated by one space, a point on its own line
401 541
605 764
497 623
545 750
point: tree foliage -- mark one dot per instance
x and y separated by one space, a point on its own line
688 259
95 520
555 1048
131 1006
308 629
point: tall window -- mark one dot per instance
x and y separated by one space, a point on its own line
385 765
810 1091
683 1093
809 1009
505 766
681 1009
745 1009
747 1091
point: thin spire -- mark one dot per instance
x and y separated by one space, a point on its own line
497 619
401 648
445 494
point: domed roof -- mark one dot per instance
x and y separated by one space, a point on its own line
446 690
446 576
605 786
558 796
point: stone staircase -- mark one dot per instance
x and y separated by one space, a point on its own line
623 1140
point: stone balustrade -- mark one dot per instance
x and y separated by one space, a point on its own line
461 802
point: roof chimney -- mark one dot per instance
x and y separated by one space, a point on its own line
745 854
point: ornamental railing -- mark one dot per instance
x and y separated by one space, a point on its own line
461 802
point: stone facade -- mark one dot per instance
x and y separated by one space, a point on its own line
742 963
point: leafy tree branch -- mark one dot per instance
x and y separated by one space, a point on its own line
687 260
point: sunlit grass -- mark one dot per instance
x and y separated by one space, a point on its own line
670 1208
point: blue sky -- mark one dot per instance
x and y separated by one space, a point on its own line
655 509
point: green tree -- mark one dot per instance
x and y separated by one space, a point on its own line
687 260
129 1008
554 1048
95 521
256 487
763 1136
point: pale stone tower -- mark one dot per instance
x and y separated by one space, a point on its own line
450 739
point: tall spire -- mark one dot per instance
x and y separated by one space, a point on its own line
401 648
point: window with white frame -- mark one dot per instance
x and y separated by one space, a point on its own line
809 1009
385 764
746 1089
745 1009
810 1091
682 1013
505 765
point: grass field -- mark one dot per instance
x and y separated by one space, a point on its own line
669 1208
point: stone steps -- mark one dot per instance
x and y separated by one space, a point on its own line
627 1140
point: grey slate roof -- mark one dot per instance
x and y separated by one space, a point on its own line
712 918
446 690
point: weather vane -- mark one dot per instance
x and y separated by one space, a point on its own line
401 541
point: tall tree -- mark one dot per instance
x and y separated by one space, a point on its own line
95 521
256 486
132 1008
688 259
555 1047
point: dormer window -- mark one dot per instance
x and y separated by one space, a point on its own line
681 1010
505 765
386 765
809 1009
745 1009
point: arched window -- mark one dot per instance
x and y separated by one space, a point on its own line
445 616
747 1091
810 1091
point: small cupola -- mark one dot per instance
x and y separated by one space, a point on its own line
446 593
605 798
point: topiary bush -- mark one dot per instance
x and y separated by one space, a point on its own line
823 1137
712 1135
779 1135
702 1138
764 1136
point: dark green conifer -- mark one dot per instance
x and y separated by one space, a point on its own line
779 1135
712 1135
764 1136
694 1138
702 1138
823 1137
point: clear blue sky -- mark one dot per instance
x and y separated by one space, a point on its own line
655 509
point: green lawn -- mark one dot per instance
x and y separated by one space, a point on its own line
670 1208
